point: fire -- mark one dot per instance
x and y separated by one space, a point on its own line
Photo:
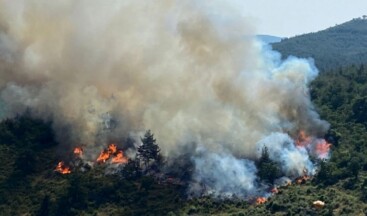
119 158
303 179
112 149
78 151
303 139
112 152
261 200
274 190
322 148
62 168
104 156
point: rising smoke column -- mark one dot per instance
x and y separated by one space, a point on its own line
187 70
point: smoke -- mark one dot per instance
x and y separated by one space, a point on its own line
223 175
189 71
294 161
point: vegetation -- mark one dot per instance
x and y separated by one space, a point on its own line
28 152
268 169
332 48
149 151
29 186
341 182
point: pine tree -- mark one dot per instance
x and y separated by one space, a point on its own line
132 169
45 207
267 169
149 150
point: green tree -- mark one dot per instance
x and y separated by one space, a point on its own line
77 193
132 169
326 173
267 169
364 191
149 150
45 207
354 166
359 108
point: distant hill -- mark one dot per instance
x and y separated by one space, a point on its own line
335 47
269 38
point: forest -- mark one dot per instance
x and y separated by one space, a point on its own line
338 46
33 182
29 184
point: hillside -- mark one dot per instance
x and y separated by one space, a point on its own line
269 38
175 113
29 185
337 46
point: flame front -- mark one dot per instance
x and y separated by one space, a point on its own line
112 152
322 149
304 178
62 168
78 151
261 200
319 147
112 149
303 139
119 158
104 156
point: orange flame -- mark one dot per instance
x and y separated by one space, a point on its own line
261 200
322 148
302 179
119 158
61 168
104 156
112 149
112 152
78 151
303 139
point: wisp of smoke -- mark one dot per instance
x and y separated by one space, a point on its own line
188 70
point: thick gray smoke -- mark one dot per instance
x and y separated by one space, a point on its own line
187 70
223 175
294 161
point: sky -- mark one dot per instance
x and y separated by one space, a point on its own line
286 18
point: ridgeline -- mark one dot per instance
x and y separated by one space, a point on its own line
28 151
332 48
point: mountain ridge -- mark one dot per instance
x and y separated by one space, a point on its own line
268 38
334 47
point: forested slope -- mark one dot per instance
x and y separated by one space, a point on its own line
337 46
29 185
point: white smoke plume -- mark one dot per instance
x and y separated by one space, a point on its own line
293 160
188 70
223 175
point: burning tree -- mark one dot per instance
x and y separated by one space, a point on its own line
113 154
62 168
149 150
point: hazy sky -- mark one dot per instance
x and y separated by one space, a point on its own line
293 17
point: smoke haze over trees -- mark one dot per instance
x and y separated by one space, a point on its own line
229 116
182 70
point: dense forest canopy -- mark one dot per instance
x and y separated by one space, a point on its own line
337 46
